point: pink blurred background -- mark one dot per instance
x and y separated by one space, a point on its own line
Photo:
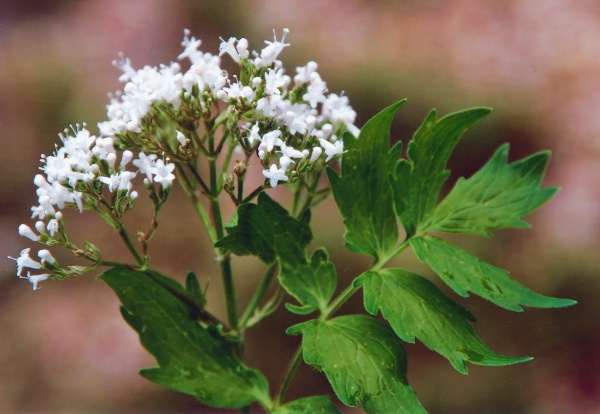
66 349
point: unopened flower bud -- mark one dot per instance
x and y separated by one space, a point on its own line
25 231
40 226
316 153
181 138
126 158
46 257
111 159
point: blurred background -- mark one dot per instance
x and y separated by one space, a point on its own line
66 349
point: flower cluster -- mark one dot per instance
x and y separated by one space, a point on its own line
289 123
79 173
167 117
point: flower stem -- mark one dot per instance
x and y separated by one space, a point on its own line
290 372
215 210
258 295
229 289
125 236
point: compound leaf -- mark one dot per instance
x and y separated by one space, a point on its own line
464 273
267 230
362 190
363 360
416 308
495 197
418 180
192 358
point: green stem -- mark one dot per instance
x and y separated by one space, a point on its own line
311 193
125 236
253 194
258 295
290 372
198 178
200 210
229 289
215 209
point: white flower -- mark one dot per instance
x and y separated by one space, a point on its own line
52 227
35 279
291 152
163 173
229 48
24 261
118 181
332 149
270 53
254 135
275 79
145 164
269 140
25 231
274 175
191 45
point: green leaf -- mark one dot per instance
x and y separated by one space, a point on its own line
495 197
193 289
192 359
363 361
318 404
362 190
464 273
416 308
267 230
417 181
312 284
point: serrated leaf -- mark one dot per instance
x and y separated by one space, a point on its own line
465 273
416 308
267 230
318 404
192 359
495 197
363 361
312 284
418 180
362 191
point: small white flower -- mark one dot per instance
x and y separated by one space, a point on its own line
24 261
145 164
274 175
270 139
285 162
332 149
25 231
229 48
52 227
163 173
35 279
291 152
270 53
118 181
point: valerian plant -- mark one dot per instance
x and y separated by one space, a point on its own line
205 128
